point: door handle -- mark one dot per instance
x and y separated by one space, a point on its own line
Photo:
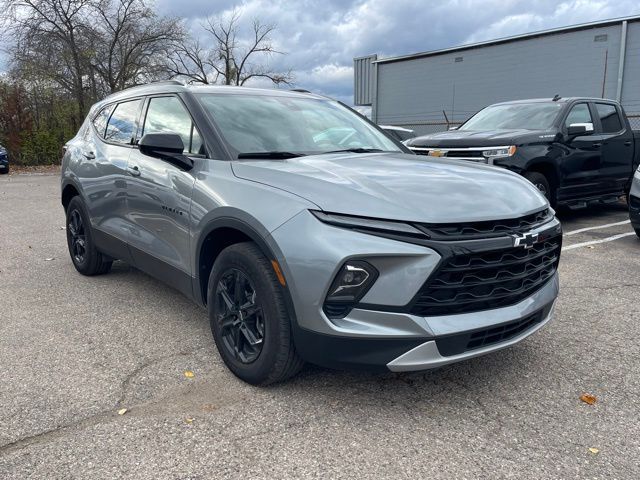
134 170
89 155
627 143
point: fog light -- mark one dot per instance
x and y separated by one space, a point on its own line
351 283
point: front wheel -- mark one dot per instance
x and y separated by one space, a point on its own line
84 254
541 183
249 320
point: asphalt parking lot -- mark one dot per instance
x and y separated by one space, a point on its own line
75 350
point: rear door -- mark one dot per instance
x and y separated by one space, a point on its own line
104 174
617 147
159 196
581 163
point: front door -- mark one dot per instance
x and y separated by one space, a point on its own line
159 198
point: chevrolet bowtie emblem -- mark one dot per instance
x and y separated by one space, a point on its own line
526 240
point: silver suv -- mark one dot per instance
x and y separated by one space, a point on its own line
307 232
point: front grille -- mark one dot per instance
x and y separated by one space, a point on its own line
465 154
485 229
463 342
476 281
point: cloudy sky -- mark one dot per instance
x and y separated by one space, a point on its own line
321 37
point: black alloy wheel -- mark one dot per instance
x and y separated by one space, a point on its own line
87 259
78 245
249 319
240 315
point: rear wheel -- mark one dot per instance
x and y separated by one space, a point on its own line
541 183
637 232
249 320
84 254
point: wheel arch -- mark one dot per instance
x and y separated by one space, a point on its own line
221 233
69 190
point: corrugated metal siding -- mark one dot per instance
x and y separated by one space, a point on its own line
364 80
631 82
569 64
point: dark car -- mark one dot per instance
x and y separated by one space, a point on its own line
634 203
575 150
4 160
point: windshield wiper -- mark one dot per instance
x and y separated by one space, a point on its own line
354 150
276 155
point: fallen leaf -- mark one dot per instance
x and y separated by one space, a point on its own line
188 420
209 407
591 246
62 228
594 450
29 246
122 411
49 259
189 374
588 398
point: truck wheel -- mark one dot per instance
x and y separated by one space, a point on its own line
249 320
84 254
542 184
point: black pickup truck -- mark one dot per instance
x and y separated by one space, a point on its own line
577 151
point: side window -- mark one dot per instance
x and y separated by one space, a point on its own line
168 115
122 124
609 118
579 114
100 120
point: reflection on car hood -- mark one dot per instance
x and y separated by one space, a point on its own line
473 138
399 186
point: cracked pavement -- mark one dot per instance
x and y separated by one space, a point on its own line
74 350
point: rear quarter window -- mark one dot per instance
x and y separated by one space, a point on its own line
100 120
122 124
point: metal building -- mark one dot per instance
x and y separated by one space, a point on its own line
427 91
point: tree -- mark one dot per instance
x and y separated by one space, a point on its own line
230 61
89 48
132 43
51 39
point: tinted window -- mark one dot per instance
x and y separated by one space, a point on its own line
100 120
168 115
609 118
579 114
528 116
265 123
122 124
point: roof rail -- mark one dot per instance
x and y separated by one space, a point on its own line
150 84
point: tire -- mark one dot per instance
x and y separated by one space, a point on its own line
82 250
254 341
541 183
637 232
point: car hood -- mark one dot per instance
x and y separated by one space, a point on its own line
470 138
399 186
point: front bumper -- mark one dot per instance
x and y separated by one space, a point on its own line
389 338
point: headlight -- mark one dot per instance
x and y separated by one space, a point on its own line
499 152
368 225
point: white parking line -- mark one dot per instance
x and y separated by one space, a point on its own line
573 232
594 242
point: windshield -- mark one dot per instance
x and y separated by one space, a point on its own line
265 124
528 116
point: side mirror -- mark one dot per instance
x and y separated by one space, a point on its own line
167 147
579 129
